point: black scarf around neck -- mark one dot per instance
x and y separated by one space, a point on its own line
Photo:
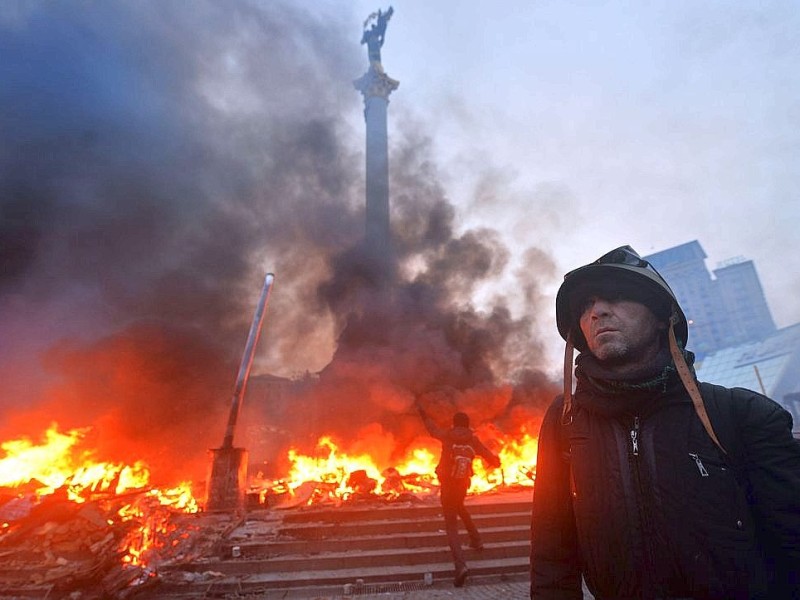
659 376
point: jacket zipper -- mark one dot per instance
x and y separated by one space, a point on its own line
635 436
642 502
700 466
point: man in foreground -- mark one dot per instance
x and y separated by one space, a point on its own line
649 484
460 445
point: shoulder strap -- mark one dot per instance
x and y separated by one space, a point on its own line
721 408
687 377
566 450
563 433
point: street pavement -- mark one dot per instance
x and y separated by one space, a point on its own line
486 588
511 590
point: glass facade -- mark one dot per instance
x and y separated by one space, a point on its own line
725 310
770 366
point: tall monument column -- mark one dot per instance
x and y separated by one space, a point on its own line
375 85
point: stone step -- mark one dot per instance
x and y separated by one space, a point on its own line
427 522
260 549
309 579
432 508
286 551
352 558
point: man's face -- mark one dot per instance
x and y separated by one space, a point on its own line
620 331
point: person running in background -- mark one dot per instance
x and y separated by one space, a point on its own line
460 446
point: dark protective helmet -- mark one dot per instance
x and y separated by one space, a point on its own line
621 273
461 419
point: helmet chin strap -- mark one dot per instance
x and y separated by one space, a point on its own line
683 372
691 386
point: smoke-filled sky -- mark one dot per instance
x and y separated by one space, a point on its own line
158 158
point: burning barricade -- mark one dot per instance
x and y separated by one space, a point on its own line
69 522
74 526
329 476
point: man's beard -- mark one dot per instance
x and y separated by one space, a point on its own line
614 353
622 352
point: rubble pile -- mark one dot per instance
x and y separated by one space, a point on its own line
108 546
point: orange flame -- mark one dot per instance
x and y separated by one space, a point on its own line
59 462
333 469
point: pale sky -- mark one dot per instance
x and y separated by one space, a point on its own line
647 123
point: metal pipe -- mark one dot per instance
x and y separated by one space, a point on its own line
247 361
760 382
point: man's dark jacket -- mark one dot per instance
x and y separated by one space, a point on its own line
634 495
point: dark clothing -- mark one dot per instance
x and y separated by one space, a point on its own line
635 496
454 489
453 492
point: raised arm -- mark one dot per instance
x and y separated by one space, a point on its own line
433 429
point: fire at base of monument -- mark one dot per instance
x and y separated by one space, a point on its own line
407 339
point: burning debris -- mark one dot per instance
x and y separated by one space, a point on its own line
332 477
71 522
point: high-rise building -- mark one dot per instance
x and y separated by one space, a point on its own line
743 299
724 310
685 270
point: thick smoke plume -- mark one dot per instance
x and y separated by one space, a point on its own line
409 332
157 160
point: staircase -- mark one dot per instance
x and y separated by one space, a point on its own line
355 550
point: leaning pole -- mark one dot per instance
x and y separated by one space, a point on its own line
227 482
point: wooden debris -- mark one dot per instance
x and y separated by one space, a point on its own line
64 550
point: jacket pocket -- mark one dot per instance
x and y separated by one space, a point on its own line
727 517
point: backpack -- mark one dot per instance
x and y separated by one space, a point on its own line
461 465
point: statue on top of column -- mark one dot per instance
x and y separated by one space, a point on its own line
373 37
